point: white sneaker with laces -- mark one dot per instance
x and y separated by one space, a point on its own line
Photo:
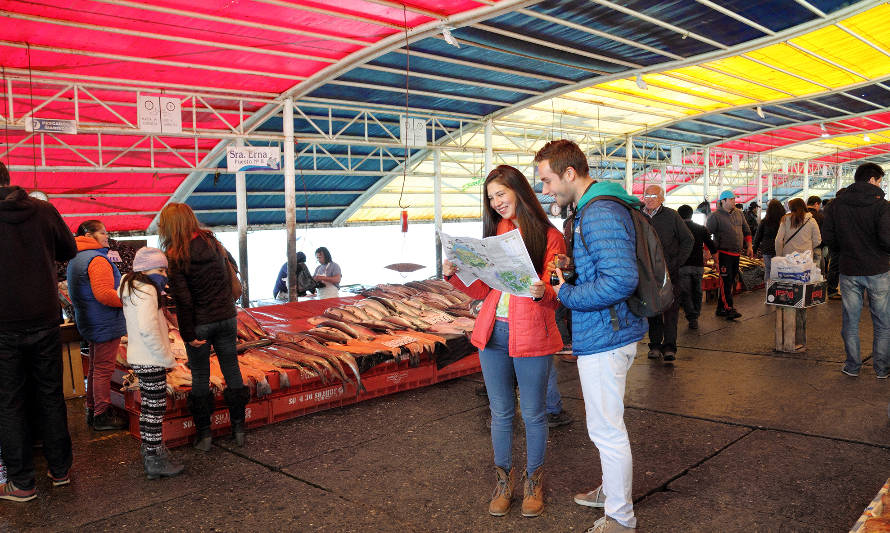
609 525
594 498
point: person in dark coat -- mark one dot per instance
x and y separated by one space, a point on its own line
857 225
765 239
34 236
677 242
202 289
693 269
305 283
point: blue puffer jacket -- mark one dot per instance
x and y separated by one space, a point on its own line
606 274
95 321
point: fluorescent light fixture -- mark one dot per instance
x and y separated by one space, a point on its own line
446 33
640 83
759 111
824 131
866 138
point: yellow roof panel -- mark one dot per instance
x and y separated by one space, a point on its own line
629 87
871 25
628 99
751 70
667 81
792 60
836 45
717 79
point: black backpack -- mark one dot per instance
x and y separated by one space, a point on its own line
654 292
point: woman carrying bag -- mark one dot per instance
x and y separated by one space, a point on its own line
798 231
201 284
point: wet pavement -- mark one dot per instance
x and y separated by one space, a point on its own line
732 437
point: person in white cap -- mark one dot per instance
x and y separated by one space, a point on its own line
149 354
731 234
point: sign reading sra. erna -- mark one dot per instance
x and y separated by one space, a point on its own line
243 158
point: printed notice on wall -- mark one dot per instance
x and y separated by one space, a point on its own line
412 132
159 114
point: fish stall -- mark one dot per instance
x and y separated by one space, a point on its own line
302 357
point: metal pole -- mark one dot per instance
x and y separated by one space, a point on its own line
241 201
437 206
806 180
769 187
760 184
290 202
706 181
629 164
664 180
489 150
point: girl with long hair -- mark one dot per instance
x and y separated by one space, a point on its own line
798 231
765 238
92 285
516 337
149 354
205 310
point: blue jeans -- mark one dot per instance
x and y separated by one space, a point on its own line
223 336
554 400
878 289
498 369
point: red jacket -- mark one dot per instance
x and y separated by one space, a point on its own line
526 317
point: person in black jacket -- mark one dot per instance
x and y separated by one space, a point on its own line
693 269
677 242
201 287
857 225
814 206
33 236
305 283
765 239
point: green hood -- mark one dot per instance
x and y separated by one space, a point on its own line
608 188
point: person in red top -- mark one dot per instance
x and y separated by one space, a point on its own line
516 336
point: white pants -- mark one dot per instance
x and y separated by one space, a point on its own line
603 378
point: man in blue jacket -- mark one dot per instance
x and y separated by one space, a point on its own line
604 331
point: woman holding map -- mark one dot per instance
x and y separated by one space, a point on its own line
516 336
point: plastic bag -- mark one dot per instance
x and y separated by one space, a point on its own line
798 267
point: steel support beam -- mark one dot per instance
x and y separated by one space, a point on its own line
241 217
437 199
290 204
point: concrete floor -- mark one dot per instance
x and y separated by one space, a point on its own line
730 438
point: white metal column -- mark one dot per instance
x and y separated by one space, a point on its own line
769 187
706 178
489 150
806 180
629 164
290 201
241 202
760 184
437 208
664 180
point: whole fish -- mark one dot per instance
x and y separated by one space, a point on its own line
398 321
256 360
244 346
251 323
368 303
387 303
357 311
353 330
328 334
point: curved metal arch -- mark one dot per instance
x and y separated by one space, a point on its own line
328 73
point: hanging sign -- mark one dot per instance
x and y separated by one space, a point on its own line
159 114
242 158
50 125
412 132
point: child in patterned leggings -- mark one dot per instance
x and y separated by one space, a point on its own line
149 354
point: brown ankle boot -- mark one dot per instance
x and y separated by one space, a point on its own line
503 492
533 500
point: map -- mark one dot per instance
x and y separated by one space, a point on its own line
501 262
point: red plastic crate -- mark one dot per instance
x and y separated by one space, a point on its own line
178 431
462 367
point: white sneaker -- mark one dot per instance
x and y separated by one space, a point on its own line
594 498
609 525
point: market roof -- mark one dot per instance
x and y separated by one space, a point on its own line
754 77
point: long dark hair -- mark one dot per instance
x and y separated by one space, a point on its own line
532 221
129 281
774 213
325 254
798 212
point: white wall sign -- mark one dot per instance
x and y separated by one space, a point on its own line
241 158
159 114
50 125
412 132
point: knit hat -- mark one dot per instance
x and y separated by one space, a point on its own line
149 258
726 194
